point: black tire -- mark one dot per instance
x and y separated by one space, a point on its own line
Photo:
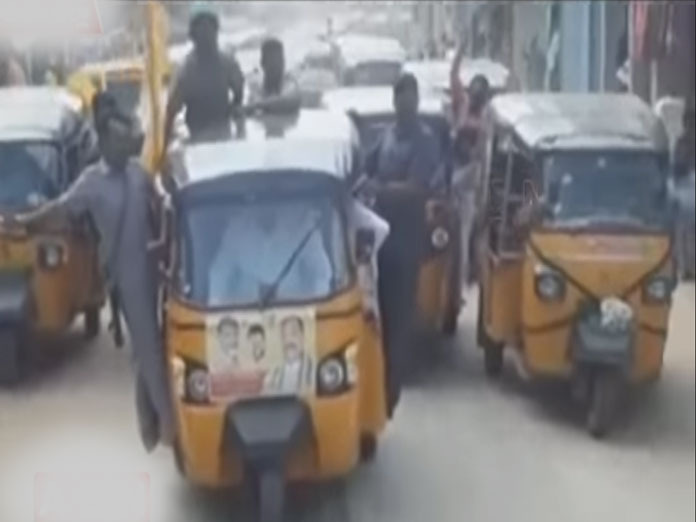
368 448
493 356
12 360
449 326
92 322
604 394
492 350
270 496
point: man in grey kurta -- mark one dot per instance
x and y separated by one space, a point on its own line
116 192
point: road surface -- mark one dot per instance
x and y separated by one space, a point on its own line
460 448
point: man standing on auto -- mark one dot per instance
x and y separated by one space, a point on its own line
407 153
276 91
115 193
203 84
467 127
11 73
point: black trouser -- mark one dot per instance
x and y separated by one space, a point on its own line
397 290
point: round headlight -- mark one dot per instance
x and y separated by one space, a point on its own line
198 386
549 286
332 375
658 289
439 238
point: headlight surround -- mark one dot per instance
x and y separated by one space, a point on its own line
338 372
658 289
549 285
439 238
331 376
51 255
197 386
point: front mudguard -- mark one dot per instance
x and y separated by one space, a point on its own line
263 431
14 298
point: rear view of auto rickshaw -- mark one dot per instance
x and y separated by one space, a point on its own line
122 78
425 228
369 60
278 373
47 277
576 271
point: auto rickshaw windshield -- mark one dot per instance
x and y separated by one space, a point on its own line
586 189
126 92
262 249
29 173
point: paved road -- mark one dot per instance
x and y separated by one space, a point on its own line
460 448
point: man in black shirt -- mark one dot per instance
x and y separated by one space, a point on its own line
203 84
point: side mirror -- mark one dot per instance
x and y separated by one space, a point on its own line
364 245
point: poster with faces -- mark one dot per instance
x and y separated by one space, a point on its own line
256 354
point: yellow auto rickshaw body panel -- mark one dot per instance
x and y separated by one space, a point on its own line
501 288
437 273
595 266
431 277
338 421
59 294
434 294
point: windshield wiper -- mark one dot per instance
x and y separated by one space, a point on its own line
272 289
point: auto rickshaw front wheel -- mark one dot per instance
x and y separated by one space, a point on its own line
368 448
454 289
92 322
12 357
270 495
604 390
492 349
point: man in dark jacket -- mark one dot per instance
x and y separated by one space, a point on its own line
203 84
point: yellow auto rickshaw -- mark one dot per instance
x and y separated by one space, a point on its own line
425 228
277 371
123 78
47 277
576 271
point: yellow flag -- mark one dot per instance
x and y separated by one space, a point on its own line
156 67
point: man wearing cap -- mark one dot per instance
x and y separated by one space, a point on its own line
203 84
